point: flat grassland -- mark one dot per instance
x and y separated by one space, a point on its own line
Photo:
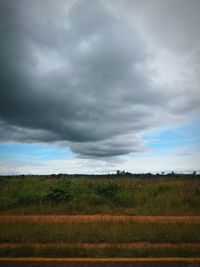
69 216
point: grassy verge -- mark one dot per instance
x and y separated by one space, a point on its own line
70 195
97 232
111 251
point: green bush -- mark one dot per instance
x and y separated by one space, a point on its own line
155 190
95 199
27 198
108 189
198 191
7 203
57 195
124 199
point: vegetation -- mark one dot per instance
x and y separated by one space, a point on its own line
24 239
27 250
62 194
123 194
97 232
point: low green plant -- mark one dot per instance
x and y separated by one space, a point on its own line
97 232
57 195
108 189
28 250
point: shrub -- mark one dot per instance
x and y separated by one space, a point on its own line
57 195
124 199
198 191
7 203
28 198
107 189
95 199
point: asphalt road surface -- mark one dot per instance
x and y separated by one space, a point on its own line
99 264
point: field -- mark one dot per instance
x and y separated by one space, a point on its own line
69 216
116 195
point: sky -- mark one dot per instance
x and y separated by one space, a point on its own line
96 86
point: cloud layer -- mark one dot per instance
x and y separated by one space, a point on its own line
79 74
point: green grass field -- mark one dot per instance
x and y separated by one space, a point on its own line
28 250
98 232
23 239
69 195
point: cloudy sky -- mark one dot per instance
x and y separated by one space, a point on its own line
93 86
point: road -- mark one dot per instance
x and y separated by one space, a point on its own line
102 263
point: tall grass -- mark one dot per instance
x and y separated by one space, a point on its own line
111 251
97 232
69 195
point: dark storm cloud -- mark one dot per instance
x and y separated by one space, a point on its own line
74 73
119 145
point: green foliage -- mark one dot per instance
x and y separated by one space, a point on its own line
27 250
7 202
95 199
97 232
27 198
60 194
153 191
198 191
108 189
125 199
57 195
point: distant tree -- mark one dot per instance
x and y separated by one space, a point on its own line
120 172
128 174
